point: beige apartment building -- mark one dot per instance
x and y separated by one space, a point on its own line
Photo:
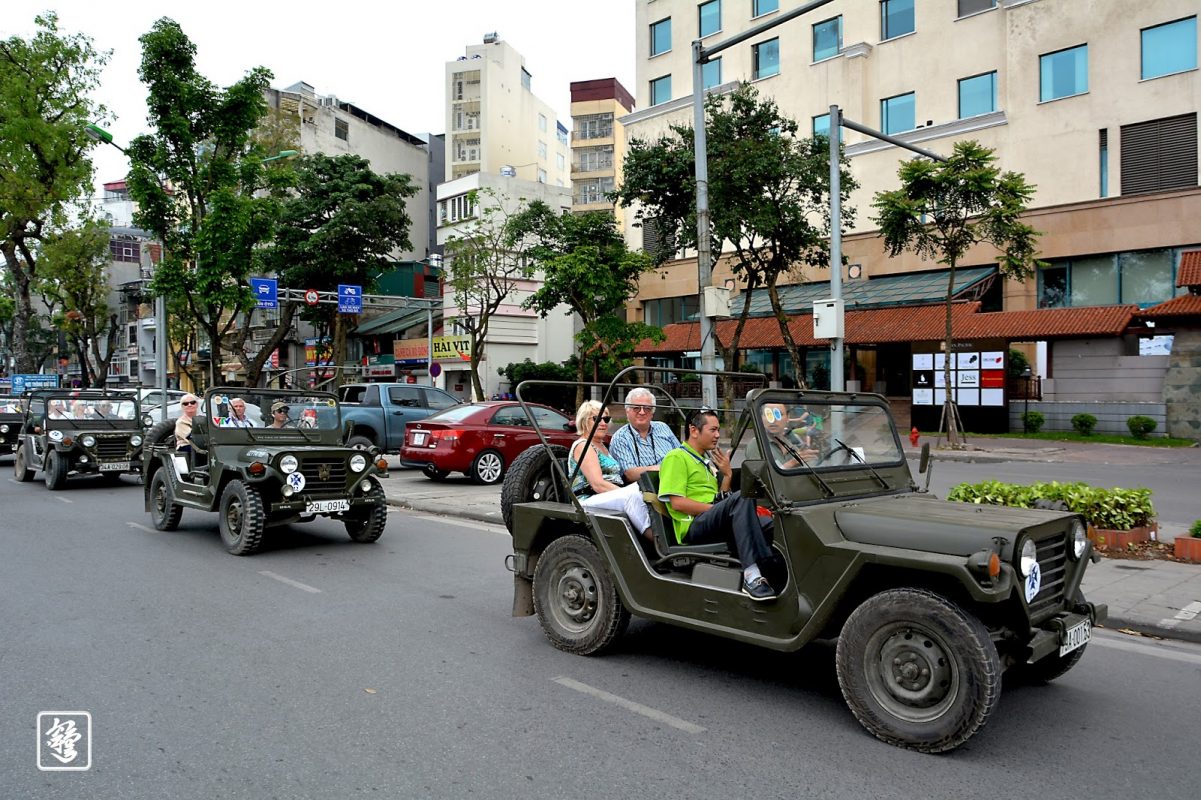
495 122
597 143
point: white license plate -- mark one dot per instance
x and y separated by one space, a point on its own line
418 438
323 506
1076 637
114 466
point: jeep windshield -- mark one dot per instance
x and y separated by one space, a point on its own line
262 411
799 436
74 411
12 405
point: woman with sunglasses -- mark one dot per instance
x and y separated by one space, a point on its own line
599 482
188 406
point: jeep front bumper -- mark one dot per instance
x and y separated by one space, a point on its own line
303 504
1061 629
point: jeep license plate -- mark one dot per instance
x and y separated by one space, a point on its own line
324 506
1076 637
114 466
418 438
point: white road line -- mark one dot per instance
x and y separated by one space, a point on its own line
302 586
63 499
141 527
14 480
1156 651
630 705
1185 614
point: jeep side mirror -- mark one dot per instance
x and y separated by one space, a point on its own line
749 482
924 462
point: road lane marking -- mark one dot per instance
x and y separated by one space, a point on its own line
302 586
141 527
1185 614
630 705
63 499
478 525
1142 648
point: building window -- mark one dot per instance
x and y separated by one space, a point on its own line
542 150
1169 48
541 175
592 190
527 80
766 59
1104 159
560 132
821 126
560 161
591 159
596 126
709 18
660 36
896 18
897 114
542 122
761 7
657 241
975 6
125 250
711 74
342 129
977 95
1063 73
666 310
660 90
827 39
1137 277
1160 154
456 208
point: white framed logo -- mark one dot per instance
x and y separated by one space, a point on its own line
64 741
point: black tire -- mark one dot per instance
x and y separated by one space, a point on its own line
241 519
435 474
918 671
360 443
159 433
1049 668
164 513
23 473
532 478
576 599
1051 505
488 468
369 528
55 471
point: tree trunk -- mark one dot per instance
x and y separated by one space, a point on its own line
23 359
798 366
254 366
214 370
340 349
949 411
730 353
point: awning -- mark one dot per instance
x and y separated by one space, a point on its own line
395 322
908 289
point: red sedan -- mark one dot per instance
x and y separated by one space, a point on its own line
480 439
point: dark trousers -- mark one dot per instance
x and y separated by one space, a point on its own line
734 521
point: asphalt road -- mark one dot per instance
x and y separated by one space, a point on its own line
326 669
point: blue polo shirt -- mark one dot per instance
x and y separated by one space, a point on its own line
631 450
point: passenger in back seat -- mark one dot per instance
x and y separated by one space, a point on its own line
599 483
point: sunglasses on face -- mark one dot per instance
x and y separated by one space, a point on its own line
188 403
281 411
641 409
605 419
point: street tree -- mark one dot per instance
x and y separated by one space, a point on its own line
196 180
343 223
944 209
45 87
585 265
769 197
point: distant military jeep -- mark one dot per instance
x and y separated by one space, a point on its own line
284 462
77 432
930 601
12 415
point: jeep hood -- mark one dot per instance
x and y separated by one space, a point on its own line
923 522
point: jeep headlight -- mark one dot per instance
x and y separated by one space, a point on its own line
1028 558
3 429
135 440
55 436
147 421
1078 538
288 465
88 440
358 462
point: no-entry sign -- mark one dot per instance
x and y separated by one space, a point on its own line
311 297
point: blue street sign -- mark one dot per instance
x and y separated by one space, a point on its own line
266 292
350 299
23 383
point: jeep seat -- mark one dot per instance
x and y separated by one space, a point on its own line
663 530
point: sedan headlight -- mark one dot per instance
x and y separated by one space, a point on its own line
288 465
135 440
1078 538
55 436
1029 557
88 440
358 462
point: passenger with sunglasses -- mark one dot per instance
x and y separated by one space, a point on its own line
640 445
188 406
599 484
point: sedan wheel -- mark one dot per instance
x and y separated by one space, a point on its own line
488 467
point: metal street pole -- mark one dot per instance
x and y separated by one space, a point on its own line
835 130
704 262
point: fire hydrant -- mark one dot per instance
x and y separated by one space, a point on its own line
914 436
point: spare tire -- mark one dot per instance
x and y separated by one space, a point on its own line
159 433
1051 505
531 478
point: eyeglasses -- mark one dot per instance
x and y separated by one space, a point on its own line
283 410
641 409
605 419
188 403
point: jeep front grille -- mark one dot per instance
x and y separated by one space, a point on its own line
324 474
112 449
1052 563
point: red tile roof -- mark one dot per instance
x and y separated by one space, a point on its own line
1049 323
1190 269
1188 305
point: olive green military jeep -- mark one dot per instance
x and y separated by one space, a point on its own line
262 458
930 601
77 432
12 416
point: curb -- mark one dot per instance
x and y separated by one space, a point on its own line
977 456
492 517
1117 624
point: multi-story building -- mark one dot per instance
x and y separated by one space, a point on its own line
495 122
597 142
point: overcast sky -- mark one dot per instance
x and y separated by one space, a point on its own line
385 57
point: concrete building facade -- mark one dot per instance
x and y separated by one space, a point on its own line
597 143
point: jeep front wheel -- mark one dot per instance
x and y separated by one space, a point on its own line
241 519
575 598
23 473
369 527
1049 668
57 468
918 671
164 513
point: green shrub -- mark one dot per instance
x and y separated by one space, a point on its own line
1140 426
1195 529
1032 421
1083 424
1017 362
1114 509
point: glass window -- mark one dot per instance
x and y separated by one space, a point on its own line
594 126
975 6
541 175
438 400
541 150
1146 276
1063 74
711 74
1094 281
405 396
1103 157
560 161
896 18
709 15
542 122
977 95
898 113
759 7
1169 48
549 420
342 129
827 38
526 79
821 126
1053 286
660 36
766 59
660 90
510 415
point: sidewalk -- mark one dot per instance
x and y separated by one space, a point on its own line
1157 598
985 449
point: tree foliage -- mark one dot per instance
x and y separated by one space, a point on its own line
45 83
944 209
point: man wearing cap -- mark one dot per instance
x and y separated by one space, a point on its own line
279 414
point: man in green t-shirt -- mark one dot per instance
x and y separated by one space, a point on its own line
688 485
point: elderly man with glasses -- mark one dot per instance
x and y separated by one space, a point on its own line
640 445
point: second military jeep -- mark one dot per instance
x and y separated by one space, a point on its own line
12 415
286 463
930 601
66 432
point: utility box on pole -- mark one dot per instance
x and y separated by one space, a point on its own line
717 302
828 319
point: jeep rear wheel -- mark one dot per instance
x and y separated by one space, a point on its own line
918 671
164 513
369 528
23 473
241 519
531 478
56 471
575 598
